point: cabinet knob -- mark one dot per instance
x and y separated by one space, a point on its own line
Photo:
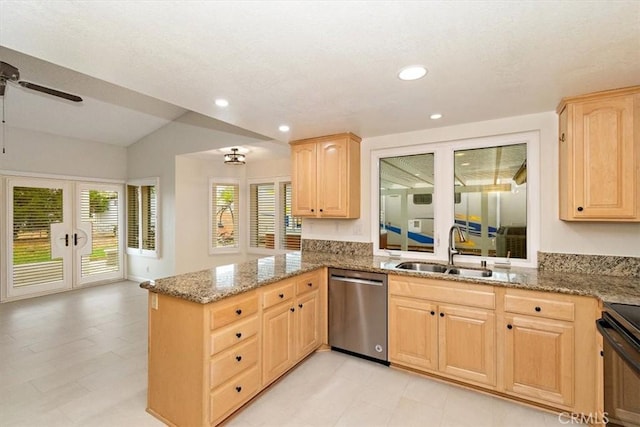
238 389
310 284
238 358
321 210
238 312
602 353
292 309
538 309
580 208
433 313
441 314
281 295
300 305
509 326
313 210
239 334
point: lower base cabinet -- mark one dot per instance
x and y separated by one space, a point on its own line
207 360
536 346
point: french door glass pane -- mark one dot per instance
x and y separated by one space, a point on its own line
292 226
100 208
263 213
34 210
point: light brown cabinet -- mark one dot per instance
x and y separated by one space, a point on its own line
325 176
291 324
428 332
550 349
599 156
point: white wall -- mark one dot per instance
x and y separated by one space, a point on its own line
556 235
41 153
183 196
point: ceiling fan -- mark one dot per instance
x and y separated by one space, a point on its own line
9 73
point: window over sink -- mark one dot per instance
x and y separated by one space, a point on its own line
483 185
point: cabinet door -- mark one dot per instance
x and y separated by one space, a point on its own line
538 360
413 333
333 173
277 342
604 163
467 343
307 317
303 179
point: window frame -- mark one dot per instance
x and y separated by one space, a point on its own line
443 199
279 215
240 235
142 182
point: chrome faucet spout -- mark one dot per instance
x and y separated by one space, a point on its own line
451 250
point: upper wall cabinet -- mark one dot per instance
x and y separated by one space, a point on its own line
325 176
600 156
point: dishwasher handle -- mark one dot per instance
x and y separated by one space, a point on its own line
358 281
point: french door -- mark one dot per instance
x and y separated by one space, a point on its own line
62 235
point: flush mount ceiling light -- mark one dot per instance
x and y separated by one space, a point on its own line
234 158
222 102
284 128
412 72
435 116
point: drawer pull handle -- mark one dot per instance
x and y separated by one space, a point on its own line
310 284
300 305
281 295
238 358
292 309
509 326
238 389
239 334
238 312
538 309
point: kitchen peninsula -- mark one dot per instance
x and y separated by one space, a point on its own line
218 337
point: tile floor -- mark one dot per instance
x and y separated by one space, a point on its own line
79 359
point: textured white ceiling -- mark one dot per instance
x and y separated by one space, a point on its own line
330 66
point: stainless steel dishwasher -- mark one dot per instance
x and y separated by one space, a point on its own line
358 313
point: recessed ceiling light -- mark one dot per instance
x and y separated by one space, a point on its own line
222 102
283 128
412 72
465 164
459 153
435 116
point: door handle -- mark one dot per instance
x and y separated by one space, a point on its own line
66 239
75 239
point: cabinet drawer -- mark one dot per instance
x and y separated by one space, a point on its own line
233 394
277 294
235 333
233 361
540 307
308 283
236 308
444 291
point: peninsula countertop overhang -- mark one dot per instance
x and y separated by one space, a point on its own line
217 283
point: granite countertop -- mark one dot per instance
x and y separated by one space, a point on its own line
214 284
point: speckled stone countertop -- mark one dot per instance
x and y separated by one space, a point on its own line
220 282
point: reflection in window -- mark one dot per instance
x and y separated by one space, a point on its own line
491 200
406 203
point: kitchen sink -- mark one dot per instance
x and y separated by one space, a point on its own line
470 272
439 268
422 266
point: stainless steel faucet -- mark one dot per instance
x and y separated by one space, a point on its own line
452 243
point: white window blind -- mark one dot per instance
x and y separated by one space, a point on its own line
142 218
34 210
292 226
263 215
224 215
100 208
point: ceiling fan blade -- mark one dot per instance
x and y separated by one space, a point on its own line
50 91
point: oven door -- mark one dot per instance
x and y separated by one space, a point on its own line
621 374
